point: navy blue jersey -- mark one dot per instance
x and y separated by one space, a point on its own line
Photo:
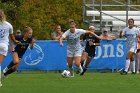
22 47
89 38
90 49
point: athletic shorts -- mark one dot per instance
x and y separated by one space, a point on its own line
74 53
132 49
90 52
19 54
3 49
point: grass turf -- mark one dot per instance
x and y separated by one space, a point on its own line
54 83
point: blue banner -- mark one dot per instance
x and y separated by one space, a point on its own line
48 55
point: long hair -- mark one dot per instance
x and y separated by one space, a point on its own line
2 16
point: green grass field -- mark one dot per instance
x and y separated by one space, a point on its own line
54 83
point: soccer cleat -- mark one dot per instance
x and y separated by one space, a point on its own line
129 72
84 70
123 73
133 73
4 76
5 70
0 84
137 72
79 71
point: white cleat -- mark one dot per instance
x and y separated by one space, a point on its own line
0 84
137 72
129 72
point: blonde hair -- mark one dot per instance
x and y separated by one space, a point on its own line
91 28
2 16
27 29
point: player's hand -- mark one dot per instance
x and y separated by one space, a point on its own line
11 49
33 40
61 44
91 43
17 42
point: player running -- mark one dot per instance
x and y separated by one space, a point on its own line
131 33
6 30
90 48
19 51
74 46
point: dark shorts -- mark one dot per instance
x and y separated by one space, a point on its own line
90 52
20 55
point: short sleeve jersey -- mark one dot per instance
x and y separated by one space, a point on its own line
131 36
73 39
5 29
22 47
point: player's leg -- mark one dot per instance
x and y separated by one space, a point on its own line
1 59
13 62
83 58
70 62
77 59
133 64
130 67
78 64
91 54
137 61
86 65
17 61
127 64
70 65
3 53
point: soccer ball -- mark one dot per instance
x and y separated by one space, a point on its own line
65 73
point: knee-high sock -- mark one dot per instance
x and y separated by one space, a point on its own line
127 64
11 70
133 66
10 65
0 74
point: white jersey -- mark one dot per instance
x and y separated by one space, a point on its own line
131 35
5 29
73 39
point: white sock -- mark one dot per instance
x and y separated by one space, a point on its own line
0 74
80 69
127 64
133 66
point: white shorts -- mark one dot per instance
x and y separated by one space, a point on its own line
72 53
3 49
133 50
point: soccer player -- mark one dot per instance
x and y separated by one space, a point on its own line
74 46
89 53
19 50
131 33
6 30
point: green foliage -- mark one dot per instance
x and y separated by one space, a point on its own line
43 15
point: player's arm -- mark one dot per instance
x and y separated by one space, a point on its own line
13 39
60 40
11 44
63 37
32 43
92 33
123 33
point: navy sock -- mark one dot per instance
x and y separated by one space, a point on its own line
11 70
82 64
10 65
